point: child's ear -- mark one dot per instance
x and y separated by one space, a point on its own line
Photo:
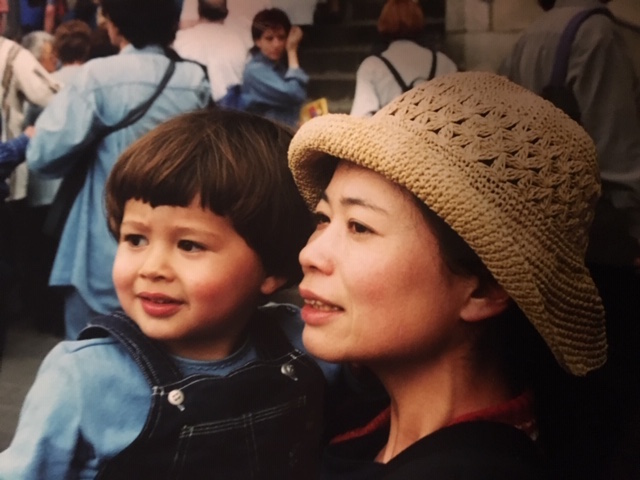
485 302
271 284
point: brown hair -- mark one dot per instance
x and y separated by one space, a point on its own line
72 42
401 19
270 18
237 163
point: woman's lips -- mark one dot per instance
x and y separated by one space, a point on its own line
317 311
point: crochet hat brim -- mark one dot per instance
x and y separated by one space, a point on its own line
552 288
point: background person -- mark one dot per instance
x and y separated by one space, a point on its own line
143 31
273 83
448 258
401 24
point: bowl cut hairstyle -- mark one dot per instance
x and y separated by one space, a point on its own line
143 22
236 163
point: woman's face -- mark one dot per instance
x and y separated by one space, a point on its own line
272 43
375 286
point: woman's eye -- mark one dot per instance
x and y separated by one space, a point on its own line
320 218
190 246
134 240
358 227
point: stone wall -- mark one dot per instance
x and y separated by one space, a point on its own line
480 33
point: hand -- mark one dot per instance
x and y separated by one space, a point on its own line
30 131
294 38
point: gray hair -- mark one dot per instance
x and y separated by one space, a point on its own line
35 41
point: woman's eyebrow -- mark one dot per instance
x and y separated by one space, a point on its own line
355 201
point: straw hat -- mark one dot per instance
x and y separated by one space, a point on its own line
509 172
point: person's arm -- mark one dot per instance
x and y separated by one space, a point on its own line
606 89
11 155
46 439
63 127
265 83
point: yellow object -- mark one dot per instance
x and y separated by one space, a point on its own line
313 109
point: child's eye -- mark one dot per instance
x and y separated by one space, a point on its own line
134 240
357 227
190 246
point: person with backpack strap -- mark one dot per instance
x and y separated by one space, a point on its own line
404 64
575 51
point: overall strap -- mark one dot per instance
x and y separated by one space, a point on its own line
394 72
155 363
561 61
269 339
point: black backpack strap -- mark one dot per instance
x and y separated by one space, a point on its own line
394 72
561 60
479 450
434 64
155 363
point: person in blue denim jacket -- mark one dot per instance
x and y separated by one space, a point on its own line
104 92
199 376
273 84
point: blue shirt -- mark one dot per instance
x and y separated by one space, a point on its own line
90 400
104 90
274 91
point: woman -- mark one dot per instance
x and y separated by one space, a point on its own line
273 83
404 63
448 259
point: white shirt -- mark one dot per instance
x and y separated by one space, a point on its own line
24 78
221 47
375 84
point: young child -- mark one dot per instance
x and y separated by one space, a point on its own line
193 379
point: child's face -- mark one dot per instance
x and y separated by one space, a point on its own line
272 43
187 278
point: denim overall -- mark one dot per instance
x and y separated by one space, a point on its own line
262 421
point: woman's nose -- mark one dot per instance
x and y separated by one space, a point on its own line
317 253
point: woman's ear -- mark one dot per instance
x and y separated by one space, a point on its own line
271 283
485 301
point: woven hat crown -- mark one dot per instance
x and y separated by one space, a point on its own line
509 172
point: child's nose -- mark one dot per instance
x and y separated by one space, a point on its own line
156 264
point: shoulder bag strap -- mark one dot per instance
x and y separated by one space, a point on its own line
394 72
434 64
561 61
73 181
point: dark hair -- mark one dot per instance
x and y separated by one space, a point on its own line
214 10
143 22
237 163
270 18
72 41
401 19
526 360
546 4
